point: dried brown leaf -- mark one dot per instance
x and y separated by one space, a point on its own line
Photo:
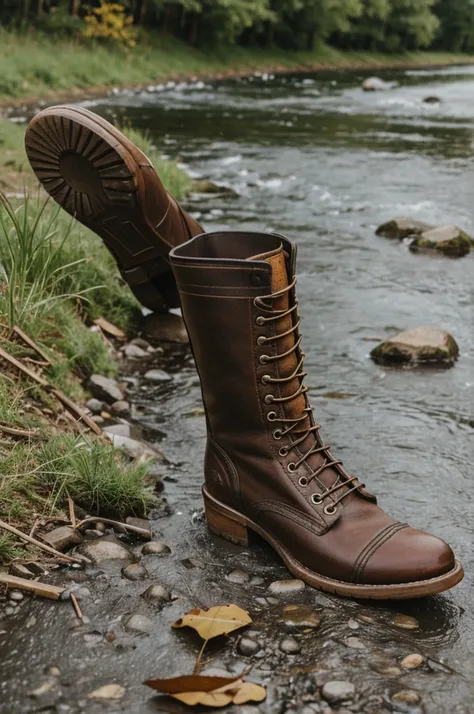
219 620
190 683
209 691
110 328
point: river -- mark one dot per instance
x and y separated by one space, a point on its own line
315 158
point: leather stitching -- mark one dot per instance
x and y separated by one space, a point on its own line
373 546
315 523
232 470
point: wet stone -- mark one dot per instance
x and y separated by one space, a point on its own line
427 345
93 533
94 405
157 375
139 623
157 593
286 587
248 647
165 327
238 576
353 625
62 538
257 581
156 547
412 661
135 571
299 617
106 549
16 595
134 352
21 571
104 388
9 610
337 691
138 523
135 449
290 646
405 622
391 671
355 643
448 240
407 696
120 408
403 227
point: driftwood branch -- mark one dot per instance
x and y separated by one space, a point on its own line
20 433
148 535
52 592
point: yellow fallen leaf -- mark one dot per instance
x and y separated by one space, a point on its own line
249 692
207 699
216 692
219 620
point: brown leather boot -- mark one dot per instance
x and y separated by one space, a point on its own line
96 174
267 468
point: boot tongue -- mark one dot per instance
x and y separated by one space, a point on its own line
286 366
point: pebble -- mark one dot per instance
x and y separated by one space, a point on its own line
120 408
97 419
238 576
353 625
99 526
104 549
93 533
405 622
140 342
290 646
412 661
9 610
157 592
391 671
138 523
104 388
157 375
355 642
134 352
407 696
248 647
138 623
62 538
257 581
108 691
16 595
337 691
135 571
156 547
94 405
299 617
286 587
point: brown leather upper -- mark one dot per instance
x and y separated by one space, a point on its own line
316 510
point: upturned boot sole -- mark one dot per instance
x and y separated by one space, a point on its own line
235 527
102 179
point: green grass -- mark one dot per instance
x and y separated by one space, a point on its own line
32 65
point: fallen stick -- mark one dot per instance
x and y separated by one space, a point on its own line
19 365
38 544
76 607
28 341
72 515
148 535
20 433
52 592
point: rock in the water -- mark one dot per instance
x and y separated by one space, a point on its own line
104 549
135 571
238 576
412 661
299 617
165 327
134 352
135 449
108 692
432 99
143 523
407 696
157 375
120 408
405 622
104 388
286 587
337 691
289 645
248 647
448 240
420 345
156 547
94 405
403 227
157 593
62 538
375 84
213 188
138 623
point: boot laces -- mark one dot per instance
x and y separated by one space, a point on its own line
292 426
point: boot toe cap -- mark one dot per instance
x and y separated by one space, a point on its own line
409 556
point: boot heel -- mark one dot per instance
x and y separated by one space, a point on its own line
225 525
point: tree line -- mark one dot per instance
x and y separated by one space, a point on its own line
368 25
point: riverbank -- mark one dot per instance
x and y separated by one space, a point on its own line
56 281
33 67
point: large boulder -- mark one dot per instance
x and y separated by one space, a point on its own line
375 84
448 240
428 345
402 227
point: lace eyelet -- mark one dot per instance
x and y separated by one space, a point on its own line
271 416
259 320
263 359
269 399
303 481
283 451
316 499
265 378
277 434
291 467
330 510
261 340
255 302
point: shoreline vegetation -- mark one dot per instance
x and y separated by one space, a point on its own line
31 73
56 278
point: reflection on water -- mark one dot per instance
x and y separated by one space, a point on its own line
316 158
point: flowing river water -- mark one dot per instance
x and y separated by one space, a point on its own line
315 158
